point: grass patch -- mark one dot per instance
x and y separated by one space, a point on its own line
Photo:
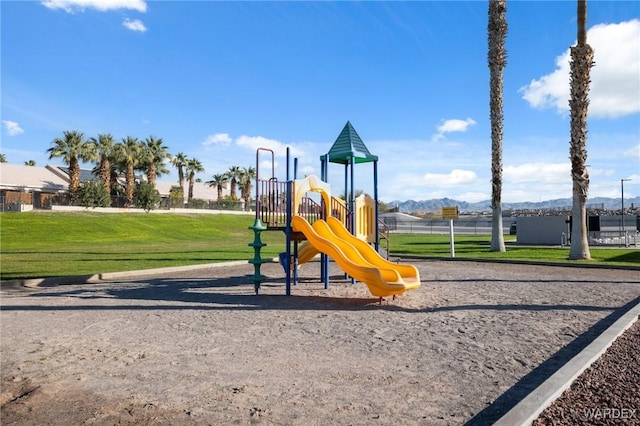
477 247
48 244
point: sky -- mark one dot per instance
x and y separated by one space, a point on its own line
216 80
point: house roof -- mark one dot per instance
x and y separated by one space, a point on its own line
28 178
200 190
55 179
348 146
85 174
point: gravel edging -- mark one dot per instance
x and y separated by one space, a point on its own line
607 392
534 404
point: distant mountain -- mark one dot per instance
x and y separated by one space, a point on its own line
436 205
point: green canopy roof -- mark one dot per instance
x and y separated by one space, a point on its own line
349 145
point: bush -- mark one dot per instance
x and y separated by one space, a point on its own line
197 203
93 194
228 203
176 197
146 196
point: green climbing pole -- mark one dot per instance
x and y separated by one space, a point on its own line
257 261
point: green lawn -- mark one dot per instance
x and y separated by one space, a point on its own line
47 244
477 247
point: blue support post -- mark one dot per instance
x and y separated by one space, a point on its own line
324 259
375 198
352 204
288 229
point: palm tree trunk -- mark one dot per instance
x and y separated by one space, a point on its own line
581 63
113 178
181 177
246 195
497 60
151 174
105 173
233 189
191 181
130 178
74 178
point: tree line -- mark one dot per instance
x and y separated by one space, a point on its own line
150 156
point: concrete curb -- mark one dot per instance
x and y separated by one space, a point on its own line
530 408
520 262
95 278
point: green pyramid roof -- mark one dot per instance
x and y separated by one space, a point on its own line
349 145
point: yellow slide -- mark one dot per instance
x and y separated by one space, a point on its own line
409 273
382 279
306 253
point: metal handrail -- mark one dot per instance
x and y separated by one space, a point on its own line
271 203
384 234
310 209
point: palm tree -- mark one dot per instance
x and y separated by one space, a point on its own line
581 63
247 175
3 158
30 163
117 168
129 153
218 180
497 60
193 166
155 153
180 162
71 148
104 147
233 174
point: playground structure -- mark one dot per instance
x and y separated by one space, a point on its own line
347 231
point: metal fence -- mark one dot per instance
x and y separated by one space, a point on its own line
615 238
472 226
611 233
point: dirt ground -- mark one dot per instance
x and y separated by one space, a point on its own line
200 348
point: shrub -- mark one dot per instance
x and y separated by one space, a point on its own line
146 196
93 194
176 197
197 203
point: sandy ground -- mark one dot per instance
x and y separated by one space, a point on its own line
200 347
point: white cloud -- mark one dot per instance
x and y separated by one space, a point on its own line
593 173
634 152
537 172
265 168
452 125
455 125
615 86
632 178
308 170
134 25
455 177
12 128
255 142
221 139
71 6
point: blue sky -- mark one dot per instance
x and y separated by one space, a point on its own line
216 80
